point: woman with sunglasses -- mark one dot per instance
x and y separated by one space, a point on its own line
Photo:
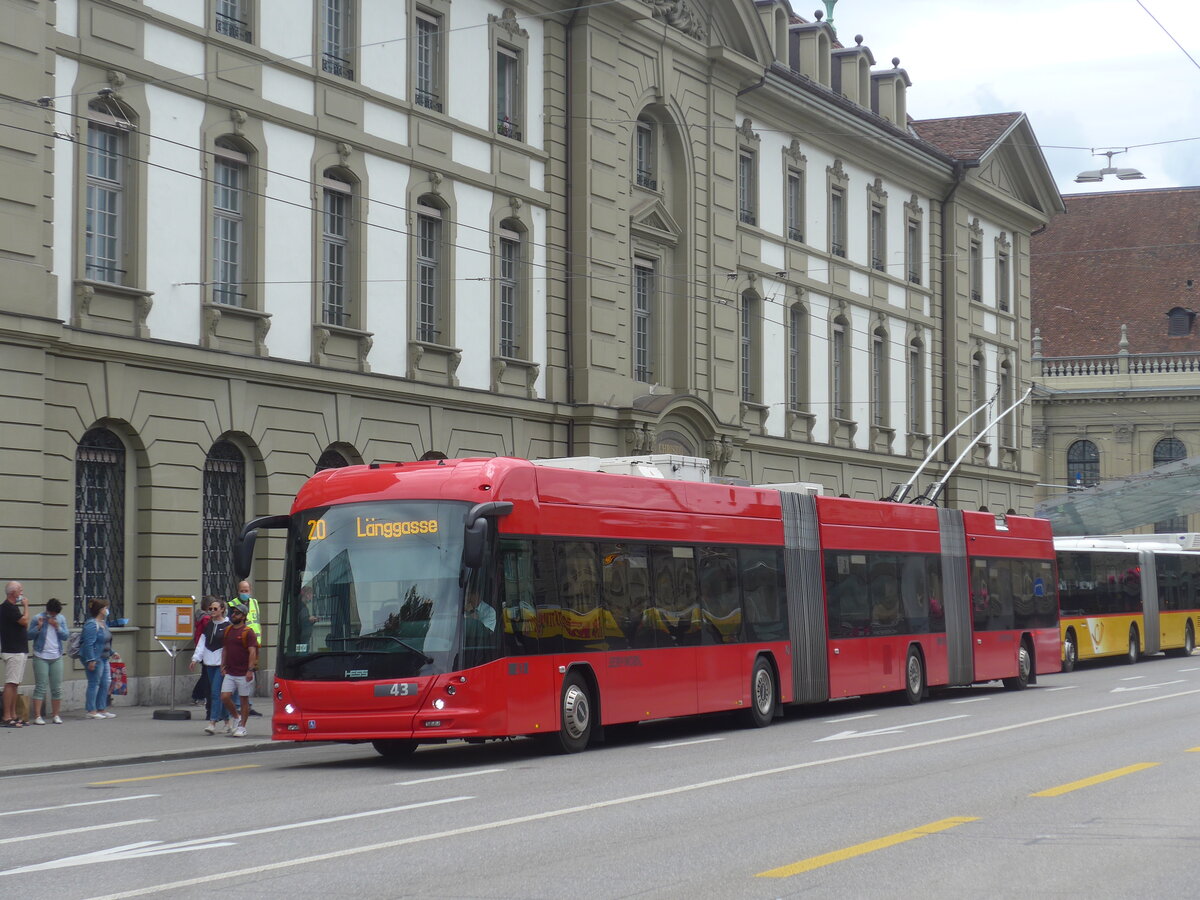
209 654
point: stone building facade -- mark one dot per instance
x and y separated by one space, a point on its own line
241 243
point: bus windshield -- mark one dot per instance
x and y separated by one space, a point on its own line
373 590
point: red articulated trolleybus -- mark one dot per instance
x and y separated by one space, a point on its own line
489 598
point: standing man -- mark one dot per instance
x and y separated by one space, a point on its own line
237 665
252 622
14 647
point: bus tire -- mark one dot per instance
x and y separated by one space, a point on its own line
1131 656
914 677
1021 680
575 714
394 749
1070 652
1189 642
762 695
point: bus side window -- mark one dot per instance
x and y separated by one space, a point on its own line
762 586
579 593
720 605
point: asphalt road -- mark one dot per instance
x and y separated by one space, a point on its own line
1083 785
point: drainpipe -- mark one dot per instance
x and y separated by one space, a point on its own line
570 281
959 173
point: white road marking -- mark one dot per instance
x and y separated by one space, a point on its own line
972 700
1191 669
1134 678
96 827
342 854
1146 687
684 743
895 729
1064 687
21 812
159 848
850 718
448 777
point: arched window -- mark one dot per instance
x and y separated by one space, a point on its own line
1083 464
110 234
224 514
1170 450
232 225
331 459
99 522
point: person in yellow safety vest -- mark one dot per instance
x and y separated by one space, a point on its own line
252 622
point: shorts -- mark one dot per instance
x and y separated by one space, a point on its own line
237 685
14 667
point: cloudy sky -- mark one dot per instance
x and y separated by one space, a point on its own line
1088 74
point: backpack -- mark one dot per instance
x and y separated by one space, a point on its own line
73 643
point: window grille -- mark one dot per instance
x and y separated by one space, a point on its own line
99 522
223 516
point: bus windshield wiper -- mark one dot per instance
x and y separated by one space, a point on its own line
384 637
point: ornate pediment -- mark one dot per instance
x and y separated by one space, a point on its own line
679 14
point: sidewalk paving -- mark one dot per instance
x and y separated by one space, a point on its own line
133 736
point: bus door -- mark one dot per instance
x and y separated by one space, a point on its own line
1153 622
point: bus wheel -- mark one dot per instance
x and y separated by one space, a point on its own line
1132 656
1070 653
1189 642
394 749
914 677
576 728
1024 670
762 695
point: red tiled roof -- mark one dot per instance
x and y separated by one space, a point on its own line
1119 258
965 137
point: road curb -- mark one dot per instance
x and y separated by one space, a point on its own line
10 771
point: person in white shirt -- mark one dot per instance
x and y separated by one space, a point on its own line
209 653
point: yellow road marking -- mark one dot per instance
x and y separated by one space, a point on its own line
1194 750
175 774
825 859
1095 779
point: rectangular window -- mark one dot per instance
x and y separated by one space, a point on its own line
878 238
795 205
643 312
912 251
427 77
878 376
335 38
747 189
795 358
337 212
1002 282
228 231
105 201
837 222
508 93
747 349
509 255
975 270
837 382
233 19
645 156
429 238
1008 431
916 390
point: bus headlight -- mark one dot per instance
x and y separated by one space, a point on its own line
289 709
439 703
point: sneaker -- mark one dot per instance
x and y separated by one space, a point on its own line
254 712
39 721
229 728
105 714
240 731
94 715
210 728
57 720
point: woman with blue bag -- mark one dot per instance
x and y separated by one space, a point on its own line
95 648
49 635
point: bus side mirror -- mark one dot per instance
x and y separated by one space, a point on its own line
475 529
243 550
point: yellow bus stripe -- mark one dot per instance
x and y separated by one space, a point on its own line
825 859
175 774
1095 779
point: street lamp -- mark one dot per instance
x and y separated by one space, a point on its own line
1093 175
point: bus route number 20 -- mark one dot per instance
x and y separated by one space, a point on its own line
396 689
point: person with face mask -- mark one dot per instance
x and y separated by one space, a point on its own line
237 665
243 598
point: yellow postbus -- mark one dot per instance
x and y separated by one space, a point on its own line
1126 596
